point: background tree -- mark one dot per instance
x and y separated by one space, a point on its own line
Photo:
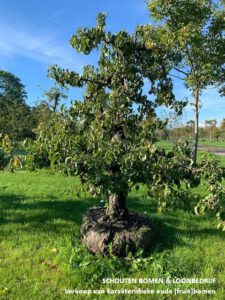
50 102
222 126
222 129
54 97
50 120
211 129
188 129
15 115
192 34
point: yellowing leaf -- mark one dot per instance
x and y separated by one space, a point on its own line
16 162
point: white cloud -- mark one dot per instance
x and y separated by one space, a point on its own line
57 15
44 48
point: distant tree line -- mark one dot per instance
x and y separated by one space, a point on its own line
18 119
211 131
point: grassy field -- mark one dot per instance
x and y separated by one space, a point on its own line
165 144
169 144
220 144
41 254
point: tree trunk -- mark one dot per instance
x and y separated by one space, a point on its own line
196 128
117 206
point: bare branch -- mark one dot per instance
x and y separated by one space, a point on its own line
181 71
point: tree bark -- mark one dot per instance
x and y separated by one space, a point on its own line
117 206
196 125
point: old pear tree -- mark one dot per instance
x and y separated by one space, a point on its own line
109 136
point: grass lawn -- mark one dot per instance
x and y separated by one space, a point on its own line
41 255
169 144
220 144
165 144
221 159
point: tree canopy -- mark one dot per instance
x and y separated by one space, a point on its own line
15 115
11 88
108 137
115 123
192 35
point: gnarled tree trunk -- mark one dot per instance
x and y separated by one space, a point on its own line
117 206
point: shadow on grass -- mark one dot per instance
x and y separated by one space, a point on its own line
173 227
58 215
46 214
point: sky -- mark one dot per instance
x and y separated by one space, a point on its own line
35 34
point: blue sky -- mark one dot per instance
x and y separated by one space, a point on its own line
35 34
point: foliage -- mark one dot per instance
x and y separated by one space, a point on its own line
108 138
16 118
214 202
54 142
176 175
115 123
54 95
192 36
176 191
8 159
5 143
11 88
194 31
51 122
5 148
170 180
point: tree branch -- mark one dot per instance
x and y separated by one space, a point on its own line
181 71
177 77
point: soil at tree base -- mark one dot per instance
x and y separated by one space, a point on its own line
118 237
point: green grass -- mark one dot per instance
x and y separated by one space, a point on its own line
41 255
165 144
221 160
169 145
220 144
